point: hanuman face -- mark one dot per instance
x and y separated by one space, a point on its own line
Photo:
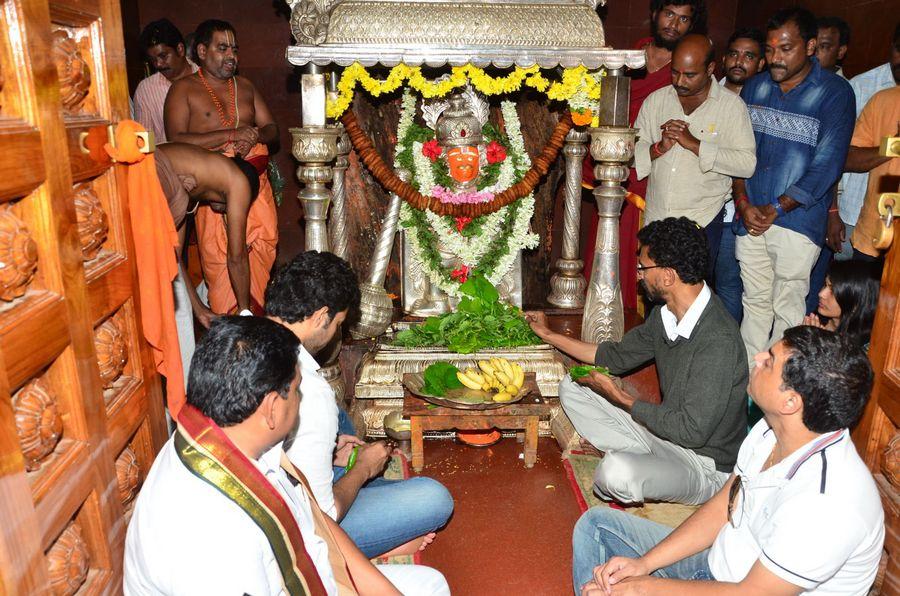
463 163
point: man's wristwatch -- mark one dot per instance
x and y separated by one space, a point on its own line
779 210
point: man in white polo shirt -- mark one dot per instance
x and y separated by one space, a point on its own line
800 514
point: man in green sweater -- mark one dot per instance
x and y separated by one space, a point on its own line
682 449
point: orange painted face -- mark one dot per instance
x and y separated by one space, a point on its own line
463 163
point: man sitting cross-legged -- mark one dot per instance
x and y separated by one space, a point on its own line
223 511
311 295
682 449
800 514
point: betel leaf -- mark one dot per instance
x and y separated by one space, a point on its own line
577 372
480 321
439 377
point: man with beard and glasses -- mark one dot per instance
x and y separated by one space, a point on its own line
800 514
853 184
670 20
220 111
165 51
680 450
802 116
744 58
694 136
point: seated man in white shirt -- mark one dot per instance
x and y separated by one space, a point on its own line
219 513
800 514
312 295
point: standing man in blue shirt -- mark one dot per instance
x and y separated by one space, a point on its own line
802 117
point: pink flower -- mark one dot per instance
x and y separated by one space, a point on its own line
431 150
446 196
495 152
461 223
461 274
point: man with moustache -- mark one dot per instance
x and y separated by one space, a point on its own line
670 20
682 449
854 184
802 116
744 58
220 111
694 136
164 48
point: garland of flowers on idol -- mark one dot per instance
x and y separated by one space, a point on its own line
487 243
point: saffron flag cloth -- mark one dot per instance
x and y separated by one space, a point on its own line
262 241
209 454
155 243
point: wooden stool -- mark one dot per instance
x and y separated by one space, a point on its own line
524 414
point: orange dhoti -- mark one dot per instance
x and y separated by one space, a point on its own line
262 240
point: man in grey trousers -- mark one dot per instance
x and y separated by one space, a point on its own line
680 450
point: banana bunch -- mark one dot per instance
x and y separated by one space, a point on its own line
497 374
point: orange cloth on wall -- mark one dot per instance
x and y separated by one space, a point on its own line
262 241
155 243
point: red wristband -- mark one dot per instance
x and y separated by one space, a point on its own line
740 199
834 210
655 147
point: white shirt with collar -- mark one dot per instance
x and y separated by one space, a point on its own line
685 326
312 448
682 183
186 538
814 519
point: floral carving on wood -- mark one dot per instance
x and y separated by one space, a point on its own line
890 464
128 475
68 561
18 256
93 226
112 353
38 423
73 72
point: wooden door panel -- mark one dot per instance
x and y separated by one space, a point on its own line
81 414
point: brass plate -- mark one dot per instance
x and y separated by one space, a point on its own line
465 398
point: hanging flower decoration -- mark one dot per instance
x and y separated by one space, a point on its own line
432 150
495 152
577 85
486 243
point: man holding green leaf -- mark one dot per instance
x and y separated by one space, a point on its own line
682 449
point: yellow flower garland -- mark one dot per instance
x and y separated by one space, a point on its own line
575 82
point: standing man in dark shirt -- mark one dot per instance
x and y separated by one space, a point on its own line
682 449
802 117
670 20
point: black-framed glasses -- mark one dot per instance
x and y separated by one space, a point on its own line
642 268
733 492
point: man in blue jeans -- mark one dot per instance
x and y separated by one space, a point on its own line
800 513
312 295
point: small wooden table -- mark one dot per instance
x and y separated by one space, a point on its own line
524 414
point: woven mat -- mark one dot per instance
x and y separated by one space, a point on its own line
580 470
398 469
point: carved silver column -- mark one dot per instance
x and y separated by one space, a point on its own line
315 147
375 306
568 284
612 148
337 227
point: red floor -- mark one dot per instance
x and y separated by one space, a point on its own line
511 528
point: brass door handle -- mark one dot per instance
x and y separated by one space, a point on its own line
887 203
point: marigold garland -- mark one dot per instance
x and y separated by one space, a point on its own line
390 181
576 83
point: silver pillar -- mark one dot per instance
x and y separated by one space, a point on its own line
612 148
568 284
315 147
375 306
337 227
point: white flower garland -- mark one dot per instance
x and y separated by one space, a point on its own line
471 250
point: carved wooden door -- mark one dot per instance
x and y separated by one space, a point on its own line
877 436
81 412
